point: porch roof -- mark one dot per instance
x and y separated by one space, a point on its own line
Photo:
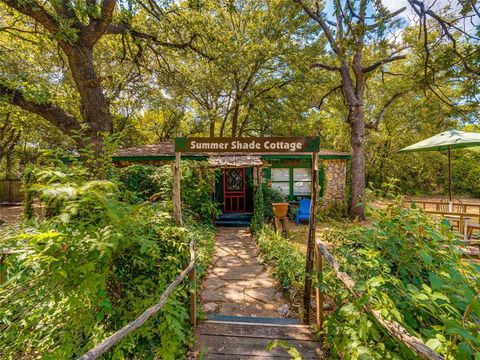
235 160
166 151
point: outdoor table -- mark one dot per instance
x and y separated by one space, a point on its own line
460 217
461 220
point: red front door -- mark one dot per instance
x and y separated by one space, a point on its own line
234 190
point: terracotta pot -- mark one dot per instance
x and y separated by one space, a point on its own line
280 209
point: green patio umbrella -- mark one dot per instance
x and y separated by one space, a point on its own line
447 140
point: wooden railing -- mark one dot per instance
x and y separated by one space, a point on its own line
106 344
394 329
435 205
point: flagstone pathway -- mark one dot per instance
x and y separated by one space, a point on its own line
238 283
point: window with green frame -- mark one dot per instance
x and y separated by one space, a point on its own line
292 181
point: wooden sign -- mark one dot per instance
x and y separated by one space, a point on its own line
248 145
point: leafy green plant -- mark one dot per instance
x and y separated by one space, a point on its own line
291 350
258 218
263 210
408 266
286 258
90 266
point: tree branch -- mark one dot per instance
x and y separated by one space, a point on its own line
97 27
117 29
316 15
325 67
54 114
386 19
376 124
381 62
36 12
324 97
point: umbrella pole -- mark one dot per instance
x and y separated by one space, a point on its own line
449 175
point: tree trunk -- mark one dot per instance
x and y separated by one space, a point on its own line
94 104
236 111
357 142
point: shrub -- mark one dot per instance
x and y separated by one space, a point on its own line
262 204
286 258
139 180
156 183
93 265
410 267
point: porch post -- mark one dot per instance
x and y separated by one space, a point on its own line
307 295
177 202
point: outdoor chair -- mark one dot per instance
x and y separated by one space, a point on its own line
456 207
303 212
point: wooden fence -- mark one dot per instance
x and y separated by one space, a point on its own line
394 329
10 191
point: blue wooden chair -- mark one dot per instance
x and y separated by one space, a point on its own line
303 212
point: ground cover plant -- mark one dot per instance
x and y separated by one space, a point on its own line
408 266
92 263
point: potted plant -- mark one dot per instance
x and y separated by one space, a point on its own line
280 207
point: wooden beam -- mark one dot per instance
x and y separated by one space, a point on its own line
307 295
394 329
177 201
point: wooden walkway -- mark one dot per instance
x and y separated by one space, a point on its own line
238 340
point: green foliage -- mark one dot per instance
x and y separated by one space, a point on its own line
292 351
156 183
286 258
139 179
410 268
258 218
466 172
90 267
262 204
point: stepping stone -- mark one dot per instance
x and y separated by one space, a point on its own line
265 295
238 284
210 307
212 283
239 273
229 261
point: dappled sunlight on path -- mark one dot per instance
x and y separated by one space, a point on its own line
238 283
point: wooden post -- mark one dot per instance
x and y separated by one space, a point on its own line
307 295
177 201
193 293
318 292
3 271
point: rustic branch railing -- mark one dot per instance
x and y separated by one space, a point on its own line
105 345
395 329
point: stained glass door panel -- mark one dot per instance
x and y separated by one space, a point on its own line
234 190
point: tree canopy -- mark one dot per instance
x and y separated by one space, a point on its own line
368 78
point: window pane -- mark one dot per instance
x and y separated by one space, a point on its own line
283 187
301 188
280 174
302 175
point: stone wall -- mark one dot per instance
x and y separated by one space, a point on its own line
335 181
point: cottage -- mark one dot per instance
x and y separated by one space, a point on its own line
289 172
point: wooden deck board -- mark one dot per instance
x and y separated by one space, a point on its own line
216 340
298 332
